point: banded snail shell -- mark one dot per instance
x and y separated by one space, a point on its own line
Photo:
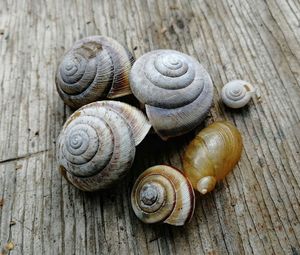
211 155
96 146
163 194
237 93
95 68
176 90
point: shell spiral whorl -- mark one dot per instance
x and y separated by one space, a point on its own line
97 144
163 194
96 67
175 88
237 93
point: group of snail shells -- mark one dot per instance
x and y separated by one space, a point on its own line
97 144
165 194
171 85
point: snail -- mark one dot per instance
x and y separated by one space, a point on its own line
176 90
212 155
237 93
95 68
163 194
96 146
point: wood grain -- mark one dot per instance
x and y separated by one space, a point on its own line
256 210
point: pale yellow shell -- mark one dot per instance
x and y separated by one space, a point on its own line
212 155
163 194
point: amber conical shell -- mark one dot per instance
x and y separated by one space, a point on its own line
212 154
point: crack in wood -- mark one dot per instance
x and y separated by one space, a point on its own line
26 156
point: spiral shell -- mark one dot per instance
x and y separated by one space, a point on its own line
212 155
176 90
95 68
163 194
237 93
96 146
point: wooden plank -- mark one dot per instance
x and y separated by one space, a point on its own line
256 210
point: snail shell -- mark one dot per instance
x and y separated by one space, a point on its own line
95 68
96 146
175 88
237 93
212 155
163 194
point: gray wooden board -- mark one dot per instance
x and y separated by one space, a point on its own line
255 210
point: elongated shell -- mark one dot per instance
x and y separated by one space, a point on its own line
96 146
176 90
163 194
95 68
212 155
237 93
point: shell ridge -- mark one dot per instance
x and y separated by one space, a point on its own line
181 115
86 72
177 207
116 151
137 122
90 161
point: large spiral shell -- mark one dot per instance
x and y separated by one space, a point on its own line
95 68
96 146
176 90
237 93
212 155
163 194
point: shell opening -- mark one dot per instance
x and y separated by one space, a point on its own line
206 184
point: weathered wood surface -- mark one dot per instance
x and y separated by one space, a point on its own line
256 210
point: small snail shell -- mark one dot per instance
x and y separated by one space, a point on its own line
96 146
176 90
212 155
237 93
95 68
163 194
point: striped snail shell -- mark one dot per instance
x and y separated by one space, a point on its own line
95 68
163 194
211 155
237 93
176 90
96 146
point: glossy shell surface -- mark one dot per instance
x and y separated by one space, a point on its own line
212 154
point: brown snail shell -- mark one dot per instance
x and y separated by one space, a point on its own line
176 90
95 68
212 155
96 146
163 194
